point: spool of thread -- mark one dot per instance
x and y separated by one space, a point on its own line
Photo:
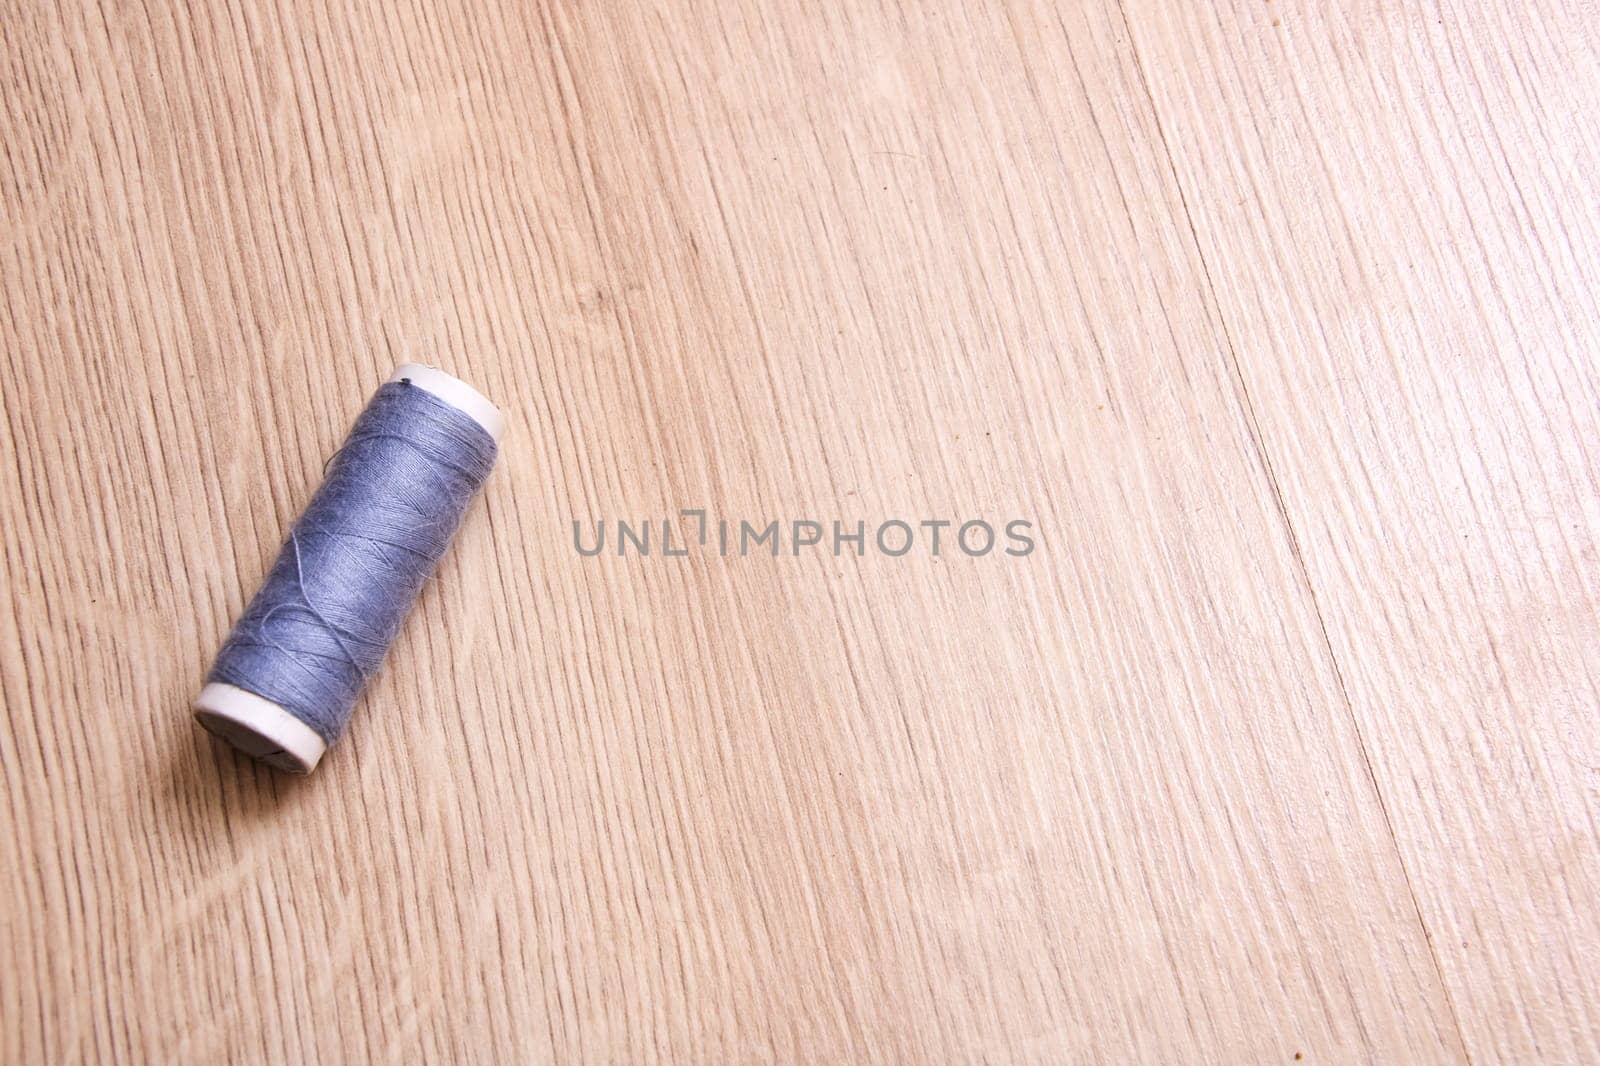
285 681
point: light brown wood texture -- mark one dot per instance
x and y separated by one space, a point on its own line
1277 318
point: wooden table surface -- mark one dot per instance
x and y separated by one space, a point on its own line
1277 318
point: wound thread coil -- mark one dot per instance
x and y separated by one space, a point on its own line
287 678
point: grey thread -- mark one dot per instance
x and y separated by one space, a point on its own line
389 503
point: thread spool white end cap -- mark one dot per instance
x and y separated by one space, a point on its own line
455 392
258 727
